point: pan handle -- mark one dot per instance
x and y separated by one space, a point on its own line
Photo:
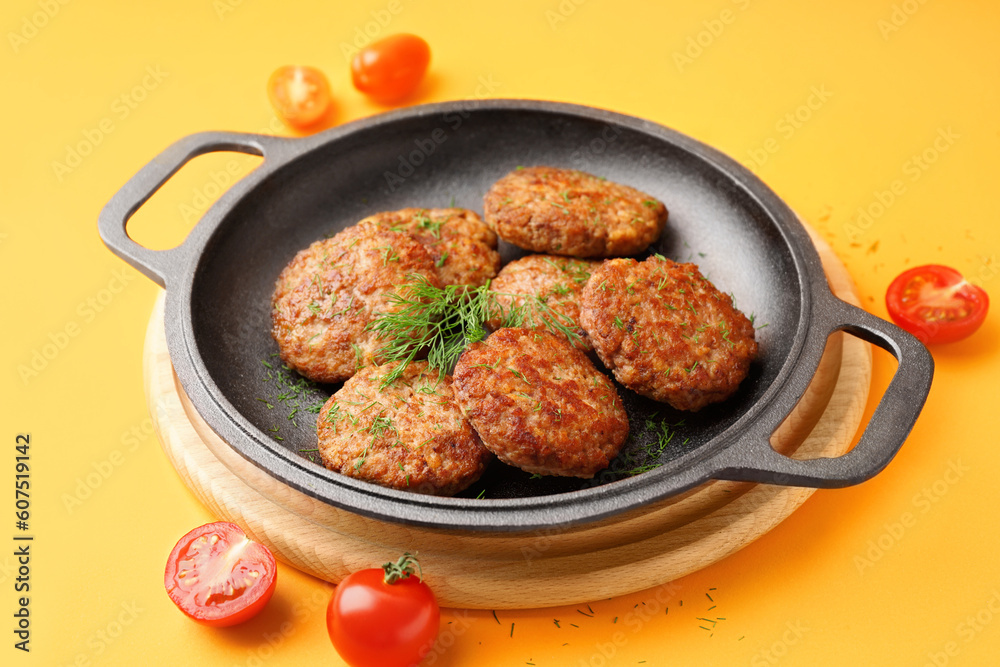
755 460
114 217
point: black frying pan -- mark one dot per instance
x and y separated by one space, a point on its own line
219 284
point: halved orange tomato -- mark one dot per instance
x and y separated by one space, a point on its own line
300 95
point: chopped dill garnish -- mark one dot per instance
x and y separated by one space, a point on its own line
290 391
380 427
647 458
425 223
519 375
344 309
388 255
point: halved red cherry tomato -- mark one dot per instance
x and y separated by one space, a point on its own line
383 617
391 68
218 576
300 95
936 304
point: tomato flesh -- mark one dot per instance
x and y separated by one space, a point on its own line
218 576
391 68
300 95
375 624
936 304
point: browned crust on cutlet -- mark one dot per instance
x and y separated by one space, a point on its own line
409 435
330 292
539 404
666 332
557 281
569 212
462 246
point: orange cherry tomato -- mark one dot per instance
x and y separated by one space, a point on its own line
300 95
391 68
218 576
936 304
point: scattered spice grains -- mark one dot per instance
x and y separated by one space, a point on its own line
707 622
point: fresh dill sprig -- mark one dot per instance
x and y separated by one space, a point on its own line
445 320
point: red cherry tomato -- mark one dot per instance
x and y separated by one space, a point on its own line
218 576
936 304
391 68
300 95
383 617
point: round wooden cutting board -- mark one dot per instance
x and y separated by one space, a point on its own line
622 554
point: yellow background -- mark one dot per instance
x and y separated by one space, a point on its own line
841 582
